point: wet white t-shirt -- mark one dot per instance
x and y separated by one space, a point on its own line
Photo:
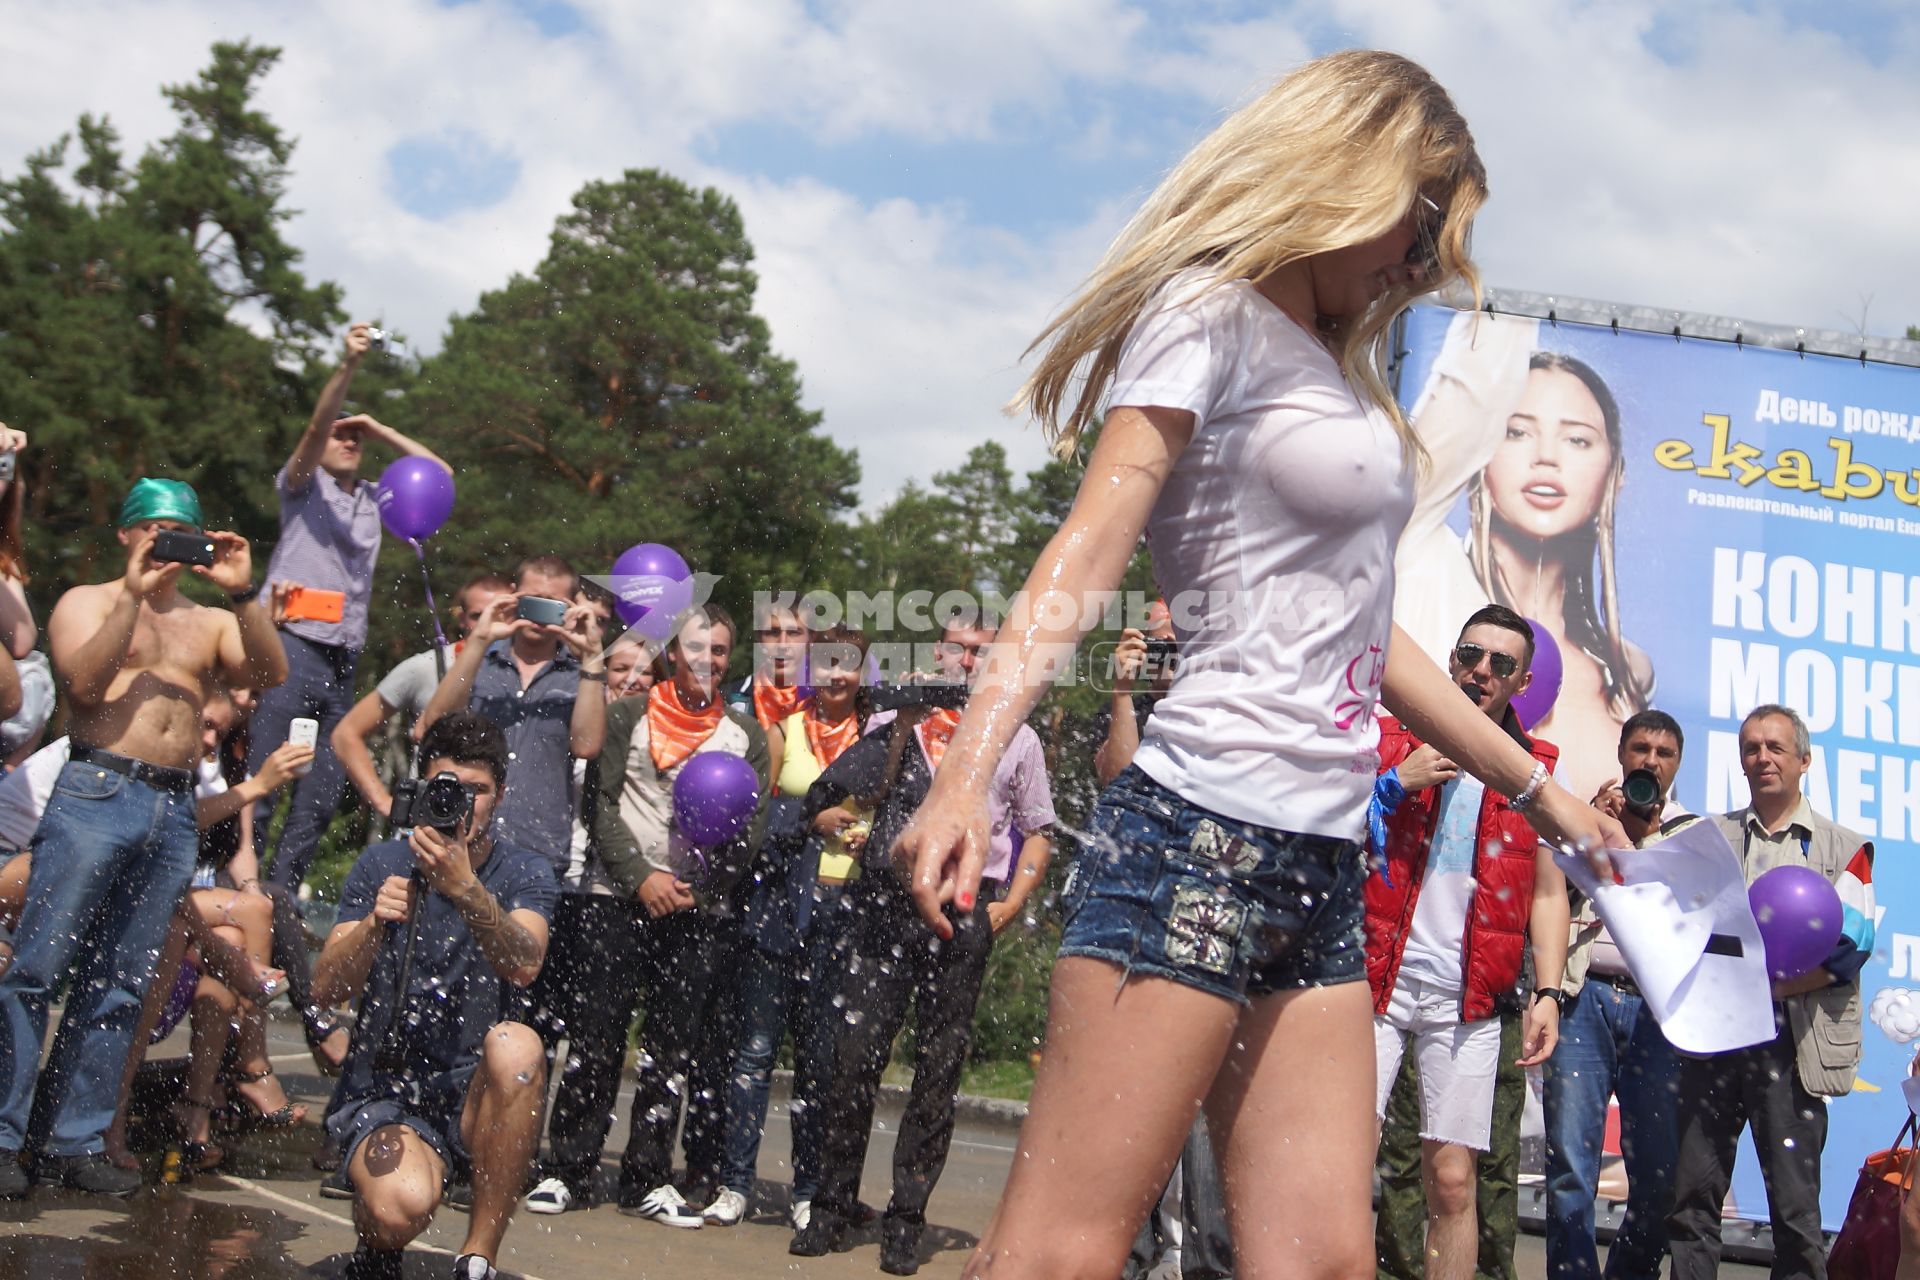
1273 543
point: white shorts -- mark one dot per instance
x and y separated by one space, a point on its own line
1458 1061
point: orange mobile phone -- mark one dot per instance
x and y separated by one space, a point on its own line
312 604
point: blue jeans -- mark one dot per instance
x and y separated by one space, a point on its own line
111 859
319 686
1609 1045
778 993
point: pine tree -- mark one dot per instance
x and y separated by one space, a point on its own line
627 392
156 319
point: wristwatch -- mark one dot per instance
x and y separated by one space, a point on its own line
1555 994
243 596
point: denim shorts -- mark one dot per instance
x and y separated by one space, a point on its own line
1166 888
433 1113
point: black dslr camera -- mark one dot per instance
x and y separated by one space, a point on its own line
931 695
442 802
1641 787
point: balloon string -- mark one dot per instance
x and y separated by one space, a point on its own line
433 610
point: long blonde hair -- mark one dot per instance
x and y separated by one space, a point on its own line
1330 156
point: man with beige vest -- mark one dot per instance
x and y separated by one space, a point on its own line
1780 1087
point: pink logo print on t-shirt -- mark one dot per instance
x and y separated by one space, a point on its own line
1348 710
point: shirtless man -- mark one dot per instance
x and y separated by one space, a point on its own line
118 838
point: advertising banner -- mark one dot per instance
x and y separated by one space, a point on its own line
1700 527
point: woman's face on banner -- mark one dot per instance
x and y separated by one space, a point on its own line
1548 475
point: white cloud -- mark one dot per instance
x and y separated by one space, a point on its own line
1771 177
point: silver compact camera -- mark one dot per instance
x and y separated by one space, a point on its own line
385 340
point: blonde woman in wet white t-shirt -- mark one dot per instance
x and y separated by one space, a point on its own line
1236 337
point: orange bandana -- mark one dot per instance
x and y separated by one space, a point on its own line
772 705
936 731
829 740
673 732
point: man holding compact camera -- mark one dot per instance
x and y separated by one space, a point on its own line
523 668
439 929
116 846
329 541
1610 1045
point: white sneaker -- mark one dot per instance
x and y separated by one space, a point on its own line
728 1207
801 1214
666 1206
552 1196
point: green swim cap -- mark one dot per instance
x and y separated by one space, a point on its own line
152 499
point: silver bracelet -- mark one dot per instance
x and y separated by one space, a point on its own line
1535 785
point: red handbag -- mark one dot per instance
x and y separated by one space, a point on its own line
1868 1246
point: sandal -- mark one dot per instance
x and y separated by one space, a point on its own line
183 1157
322 1027
243 1115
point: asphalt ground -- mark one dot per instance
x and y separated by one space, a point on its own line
263 1217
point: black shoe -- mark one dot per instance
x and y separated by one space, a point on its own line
369 1263
822 1235
14 1182
900 1246
92 1173
460 1196
471 1266
326 1156
335 1186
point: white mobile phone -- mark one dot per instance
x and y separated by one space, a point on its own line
304 732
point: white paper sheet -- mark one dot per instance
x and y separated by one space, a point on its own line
1911 1088
1672 898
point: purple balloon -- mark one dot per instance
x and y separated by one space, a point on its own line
1534 702
714 797
1799 914
416 497
651 581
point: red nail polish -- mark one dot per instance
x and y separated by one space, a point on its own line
966 902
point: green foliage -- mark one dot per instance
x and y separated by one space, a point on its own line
627 392
1011 1020
157 321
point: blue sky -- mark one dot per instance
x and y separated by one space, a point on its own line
924 183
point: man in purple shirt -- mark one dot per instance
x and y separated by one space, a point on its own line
329 540
897 959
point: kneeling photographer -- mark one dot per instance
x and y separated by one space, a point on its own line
436 929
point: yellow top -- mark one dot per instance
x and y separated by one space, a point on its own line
799 770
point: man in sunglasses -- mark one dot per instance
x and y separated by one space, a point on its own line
1460 884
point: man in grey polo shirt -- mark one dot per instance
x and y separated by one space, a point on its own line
329 540
526 678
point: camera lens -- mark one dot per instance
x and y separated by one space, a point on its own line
1641 787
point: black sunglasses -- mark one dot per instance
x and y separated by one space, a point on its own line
1468 655
1429 220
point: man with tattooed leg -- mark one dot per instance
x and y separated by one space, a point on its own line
452 1086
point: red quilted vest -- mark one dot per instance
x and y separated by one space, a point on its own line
1502 901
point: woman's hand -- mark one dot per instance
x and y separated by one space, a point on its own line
286 763
831 822
1564 822
1129 656
943 851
